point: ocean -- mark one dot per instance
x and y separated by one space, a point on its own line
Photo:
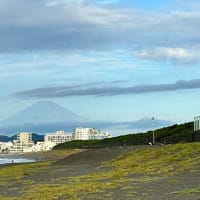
14 160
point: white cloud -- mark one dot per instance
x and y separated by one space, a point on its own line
107 1
61 2
174 55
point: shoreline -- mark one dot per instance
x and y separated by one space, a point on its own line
53 155
12 161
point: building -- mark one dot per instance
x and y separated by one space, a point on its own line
23 143
57 138
82 133
197 123
5 147
100 136
24 137
43 146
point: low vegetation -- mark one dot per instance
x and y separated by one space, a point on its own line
169 135
14 173
187 191
124 173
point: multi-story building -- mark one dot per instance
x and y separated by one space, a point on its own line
43 146
23 143
82 133
57 138
5 146
197 123
24 137
100 135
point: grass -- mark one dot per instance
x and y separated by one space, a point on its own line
13 174
187 191
143 165
161 161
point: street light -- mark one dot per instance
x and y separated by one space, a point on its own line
153 142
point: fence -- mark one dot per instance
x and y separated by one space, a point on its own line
173 139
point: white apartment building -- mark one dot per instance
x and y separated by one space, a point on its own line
82 133
197 123
57 138
5 146
43 146
100 135
23 143
24 137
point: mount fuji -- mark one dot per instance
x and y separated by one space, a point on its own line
45 116
41 117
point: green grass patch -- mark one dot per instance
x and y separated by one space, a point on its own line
187 191
13 173
142 165
161 161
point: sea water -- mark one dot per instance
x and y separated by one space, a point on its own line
14 160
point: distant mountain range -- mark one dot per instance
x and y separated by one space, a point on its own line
45 116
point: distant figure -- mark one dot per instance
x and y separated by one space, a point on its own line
36 159
12 161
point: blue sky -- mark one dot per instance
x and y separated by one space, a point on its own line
108 60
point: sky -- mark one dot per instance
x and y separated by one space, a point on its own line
108 60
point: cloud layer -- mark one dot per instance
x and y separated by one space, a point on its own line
52 25
115 128
76 90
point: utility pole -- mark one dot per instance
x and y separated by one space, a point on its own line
153 141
